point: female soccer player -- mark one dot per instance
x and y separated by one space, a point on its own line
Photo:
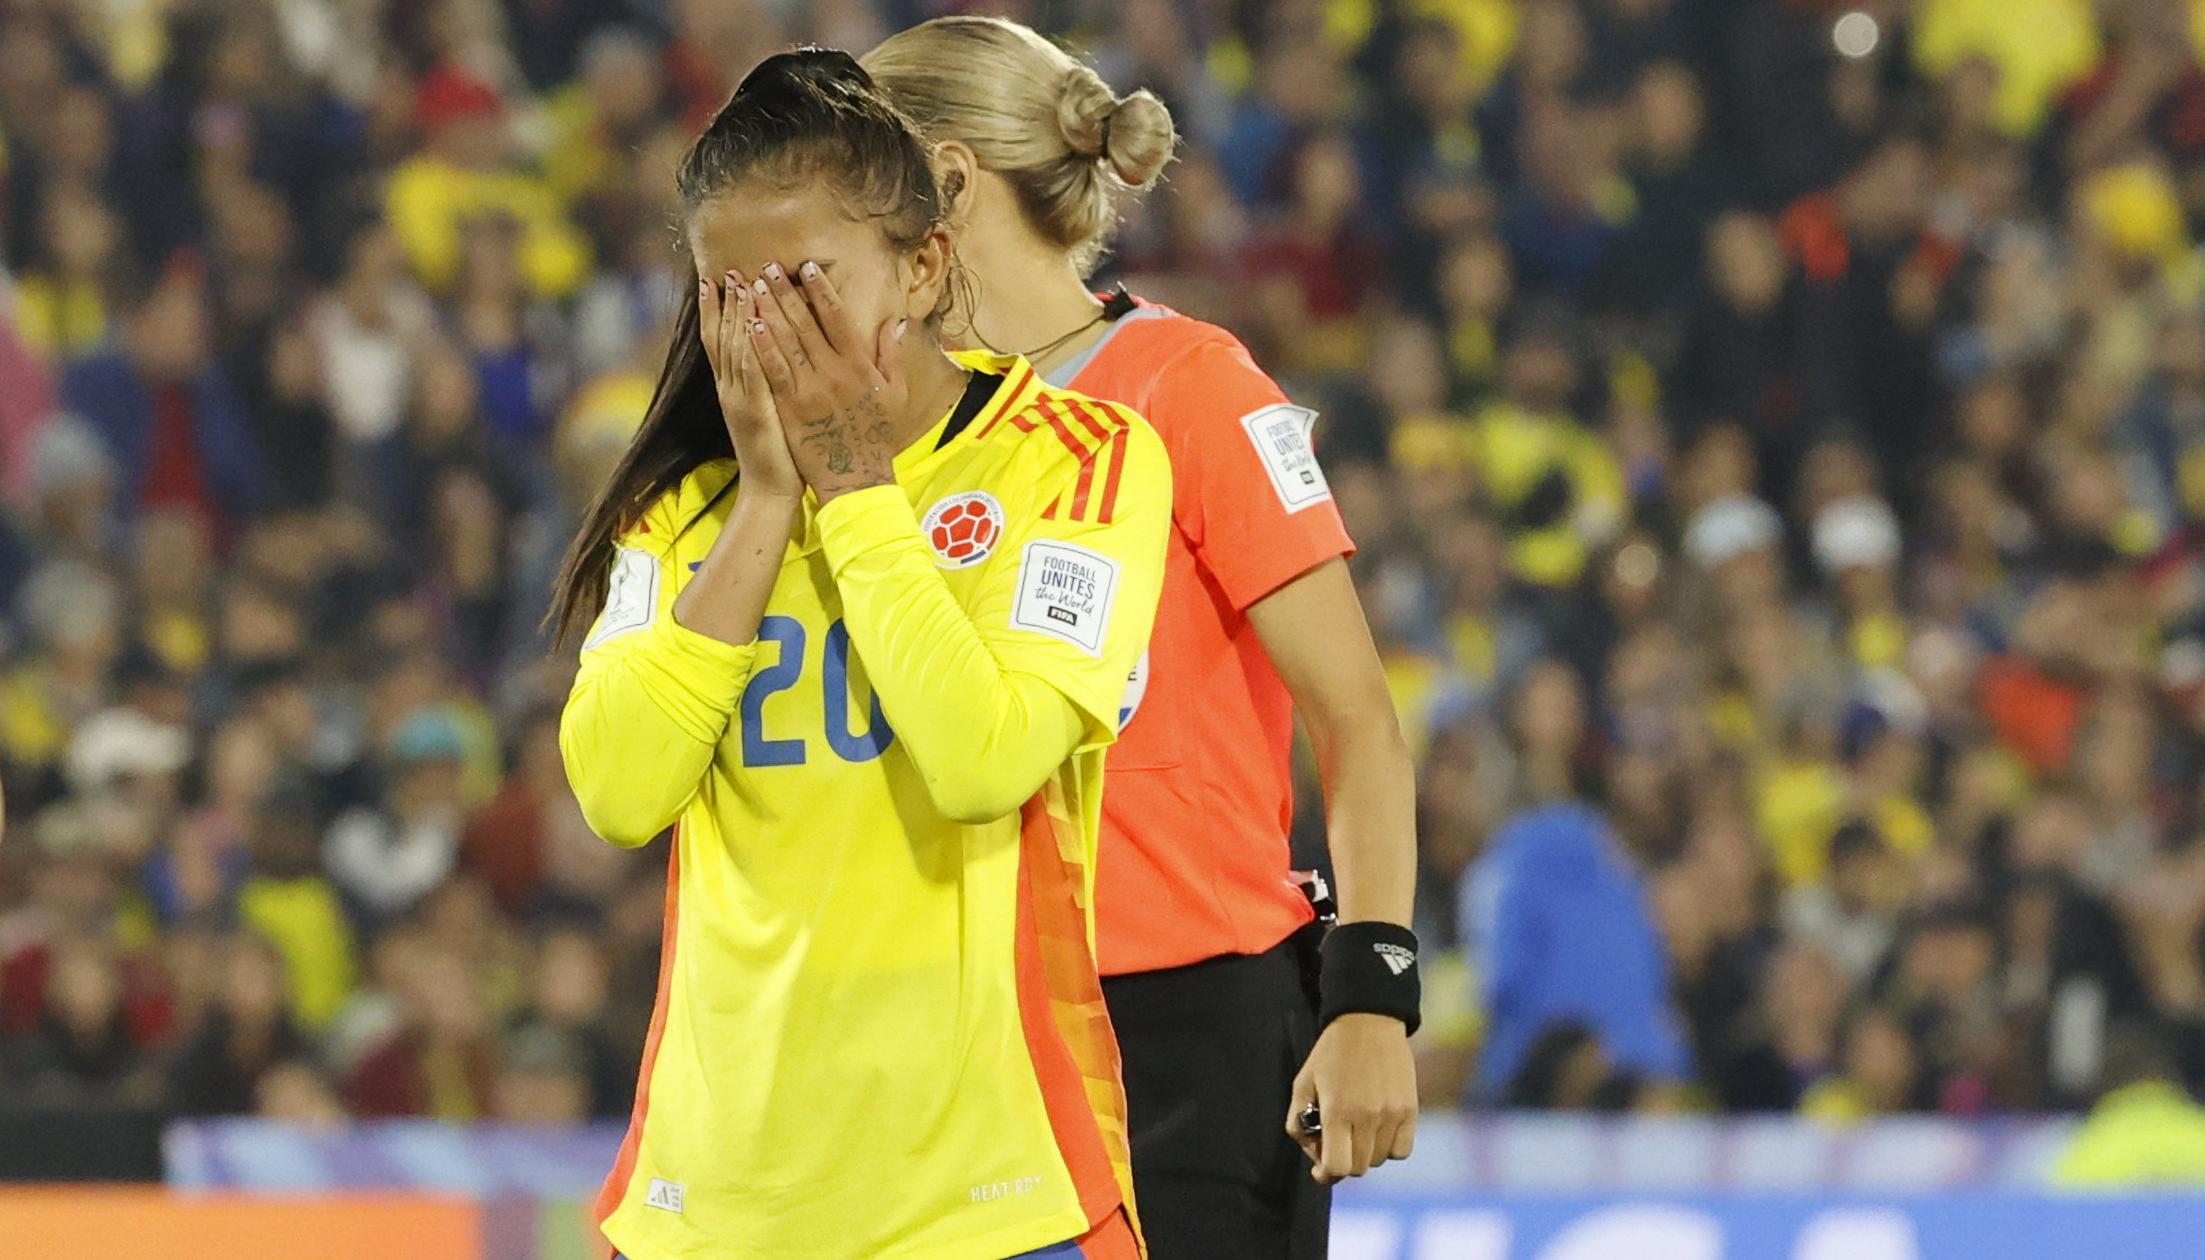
1197 920
867 612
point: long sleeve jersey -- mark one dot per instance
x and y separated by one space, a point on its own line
879 1029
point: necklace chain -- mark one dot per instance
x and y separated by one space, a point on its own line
1036 353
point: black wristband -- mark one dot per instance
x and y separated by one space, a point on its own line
1369 968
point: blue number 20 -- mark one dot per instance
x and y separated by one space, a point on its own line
786 672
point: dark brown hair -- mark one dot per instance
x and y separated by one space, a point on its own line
801 116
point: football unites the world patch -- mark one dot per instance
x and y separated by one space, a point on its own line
963 528
1282 436
1065 590
631 597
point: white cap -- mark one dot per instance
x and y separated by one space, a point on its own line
65 452
1856 533
1730 527
118 742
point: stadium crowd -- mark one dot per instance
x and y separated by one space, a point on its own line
1774 429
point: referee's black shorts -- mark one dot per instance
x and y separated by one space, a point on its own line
1210 1054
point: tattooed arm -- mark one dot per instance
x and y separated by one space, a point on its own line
846 450
839 392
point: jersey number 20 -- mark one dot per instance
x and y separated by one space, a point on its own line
834 680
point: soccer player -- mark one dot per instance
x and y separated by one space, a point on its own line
1201 934
867 613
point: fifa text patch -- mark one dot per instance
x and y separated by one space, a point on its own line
1065 590
631 597
1281 433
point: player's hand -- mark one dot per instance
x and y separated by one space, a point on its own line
1363 1080
838 387
724 315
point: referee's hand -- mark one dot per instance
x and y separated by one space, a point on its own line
1362 1079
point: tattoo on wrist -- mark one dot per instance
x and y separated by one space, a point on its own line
854 448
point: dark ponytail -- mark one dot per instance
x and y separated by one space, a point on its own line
807 115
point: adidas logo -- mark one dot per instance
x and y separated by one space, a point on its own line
1397 958
664 1195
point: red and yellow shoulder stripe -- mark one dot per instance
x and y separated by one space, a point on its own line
1095 433
1092 433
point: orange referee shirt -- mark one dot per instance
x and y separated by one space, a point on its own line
1198 791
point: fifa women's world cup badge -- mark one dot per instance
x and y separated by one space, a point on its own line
963 528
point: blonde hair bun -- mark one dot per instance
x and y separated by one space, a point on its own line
997 87
1132 135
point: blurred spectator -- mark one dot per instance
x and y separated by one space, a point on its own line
62 306
2029 49
220 1070
294 1093
599 115
1793 1040
439 1062
541 1080
1879 1072
1564 931
1679 188
530 845
83 1049
1314 268
1850 915
567 1011
200 870
26 407
386 861
1567 1069
2145 1132
1558 488
167 411
368 328
463 174
289 902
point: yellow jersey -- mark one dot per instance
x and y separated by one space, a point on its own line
879 1030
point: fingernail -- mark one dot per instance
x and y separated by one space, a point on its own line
733 283
757 328
810 270
901 324
760 286
773 270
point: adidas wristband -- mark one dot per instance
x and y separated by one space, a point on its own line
1368 968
